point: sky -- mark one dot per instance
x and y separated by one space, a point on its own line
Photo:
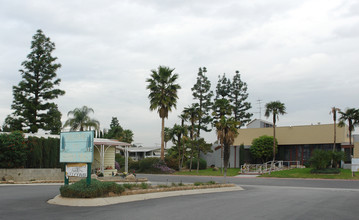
302 53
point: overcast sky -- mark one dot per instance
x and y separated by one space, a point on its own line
303 53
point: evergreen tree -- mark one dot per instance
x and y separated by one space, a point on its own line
203 94
32 97
117 132
53 122
238 98
116 129
222 108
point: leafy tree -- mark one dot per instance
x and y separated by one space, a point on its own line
238 99
262 147
13 150
81 120
127 136
163 95
32 97
275 108
352 116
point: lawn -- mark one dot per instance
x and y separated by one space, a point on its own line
305 173
209 172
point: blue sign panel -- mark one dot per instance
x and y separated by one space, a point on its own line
76 147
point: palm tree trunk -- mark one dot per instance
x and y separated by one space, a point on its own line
183 152
163 140
274 137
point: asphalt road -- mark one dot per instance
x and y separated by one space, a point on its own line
261 199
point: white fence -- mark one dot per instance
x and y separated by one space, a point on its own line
269 166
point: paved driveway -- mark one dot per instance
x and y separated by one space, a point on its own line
261 199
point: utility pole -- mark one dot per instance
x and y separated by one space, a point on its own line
259 103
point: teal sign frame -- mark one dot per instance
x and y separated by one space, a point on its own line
76 147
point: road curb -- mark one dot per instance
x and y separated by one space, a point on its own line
58 200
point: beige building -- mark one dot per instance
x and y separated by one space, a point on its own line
296 143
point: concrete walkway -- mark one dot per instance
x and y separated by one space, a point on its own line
58 200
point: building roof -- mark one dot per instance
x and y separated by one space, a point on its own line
109 142
267 122
142 149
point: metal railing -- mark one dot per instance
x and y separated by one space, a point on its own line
269 167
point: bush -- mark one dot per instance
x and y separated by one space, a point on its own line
13 150
95 189
320 159
148 163
172 162
202 164
134 165
262 148
337 156
154 165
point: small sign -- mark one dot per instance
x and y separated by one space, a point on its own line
355 164
76 169
76 147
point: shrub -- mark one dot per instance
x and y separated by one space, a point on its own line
337 156
148 163
95 189
13 150
145 185
262 148
134 165
172 162
202 164
320 159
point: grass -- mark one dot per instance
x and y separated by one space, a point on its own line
209 172
305 173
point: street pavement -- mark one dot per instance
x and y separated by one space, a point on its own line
260 199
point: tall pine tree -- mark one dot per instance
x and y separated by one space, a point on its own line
238 99
32 97
203 94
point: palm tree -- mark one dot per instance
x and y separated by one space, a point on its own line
226 132
352 116
334 111
191 113
163 95
221 108
81 119
275 108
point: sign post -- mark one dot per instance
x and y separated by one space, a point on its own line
76 151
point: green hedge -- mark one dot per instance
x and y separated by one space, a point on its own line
95 189
202 164
33 152
44 153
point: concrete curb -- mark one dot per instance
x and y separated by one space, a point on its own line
58 200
